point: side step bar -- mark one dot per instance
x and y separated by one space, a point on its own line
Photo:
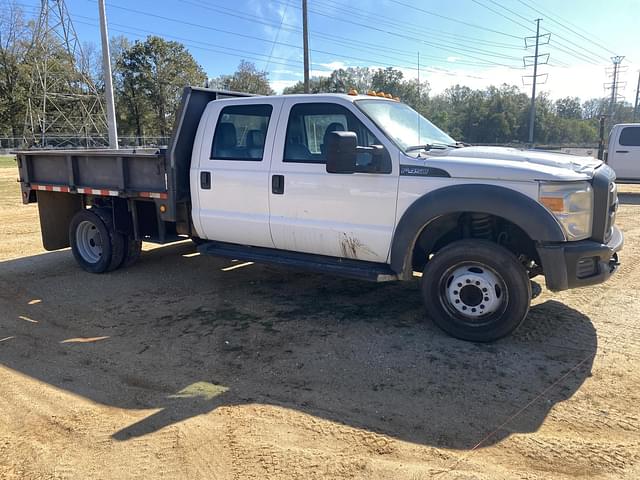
375 272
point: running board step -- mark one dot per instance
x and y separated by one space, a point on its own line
375 272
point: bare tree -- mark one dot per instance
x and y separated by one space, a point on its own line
14 48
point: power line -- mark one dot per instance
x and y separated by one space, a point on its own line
394 33
273 45
567 28
414 28
246 54
451 19
559 45
296 46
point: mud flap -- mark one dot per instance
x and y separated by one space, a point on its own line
56 210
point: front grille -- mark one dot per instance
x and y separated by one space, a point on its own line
605 203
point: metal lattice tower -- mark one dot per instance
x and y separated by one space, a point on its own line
65 107
615 85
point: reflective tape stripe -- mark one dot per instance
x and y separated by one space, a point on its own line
50 188
97 191
162 196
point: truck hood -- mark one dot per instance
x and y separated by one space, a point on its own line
512 164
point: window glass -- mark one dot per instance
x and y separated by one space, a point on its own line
402 124
630 137
240 133
310 124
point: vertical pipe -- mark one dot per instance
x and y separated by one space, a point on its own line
108 83
635 107
305 43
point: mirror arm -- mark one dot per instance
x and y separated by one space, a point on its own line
374 150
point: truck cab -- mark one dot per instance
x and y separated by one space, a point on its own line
623 152
354 185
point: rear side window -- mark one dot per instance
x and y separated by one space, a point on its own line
630 137
240 133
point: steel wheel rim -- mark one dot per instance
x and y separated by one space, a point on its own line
89 241
473 293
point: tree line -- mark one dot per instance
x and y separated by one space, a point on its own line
149 76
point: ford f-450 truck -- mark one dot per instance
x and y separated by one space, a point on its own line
355 185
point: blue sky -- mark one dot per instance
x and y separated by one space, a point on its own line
482 47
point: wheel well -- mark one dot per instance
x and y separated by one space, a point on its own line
462 225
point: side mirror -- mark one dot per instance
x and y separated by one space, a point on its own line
341 152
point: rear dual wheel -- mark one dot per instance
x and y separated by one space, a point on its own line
96 245
476 290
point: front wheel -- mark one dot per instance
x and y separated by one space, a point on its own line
476 290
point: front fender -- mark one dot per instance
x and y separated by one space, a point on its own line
526 213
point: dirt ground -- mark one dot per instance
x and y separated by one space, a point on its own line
181 367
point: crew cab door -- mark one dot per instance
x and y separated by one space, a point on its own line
624 157
339 215
230 171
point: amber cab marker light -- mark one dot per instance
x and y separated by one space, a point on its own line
353 91
555 204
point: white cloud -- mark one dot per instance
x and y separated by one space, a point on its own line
279 85
452 59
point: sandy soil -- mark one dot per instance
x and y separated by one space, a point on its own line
180 367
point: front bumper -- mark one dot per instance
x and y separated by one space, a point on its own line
579 264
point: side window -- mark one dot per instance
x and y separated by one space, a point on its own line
241 132
630 137
308 127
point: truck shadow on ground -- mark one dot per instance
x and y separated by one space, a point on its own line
185 334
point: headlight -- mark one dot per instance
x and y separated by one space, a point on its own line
572 205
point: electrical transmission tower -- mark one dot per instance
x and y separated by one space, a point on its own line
64 106
534 60
615 85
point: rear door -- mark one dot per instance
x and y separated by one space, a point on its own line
231 171
626 153
348 215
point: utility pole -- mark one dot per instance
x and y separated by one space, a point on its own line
535 58
108 83
635 107
615 84
305 43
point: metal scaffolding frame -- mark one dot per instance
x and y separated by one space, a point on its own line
63 97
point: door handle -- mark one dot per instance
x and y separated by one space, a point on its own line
205 180
277 184
622 151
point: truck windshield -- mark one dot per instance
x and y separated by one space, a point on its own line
403 125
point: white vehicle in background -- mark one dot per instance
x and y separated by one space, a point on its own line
624 152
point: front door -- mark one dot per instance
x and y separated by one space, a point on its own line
339 215
627 153
231 174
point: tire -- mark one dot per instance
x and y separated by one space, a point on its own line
132 251
198 241
476 290
95 244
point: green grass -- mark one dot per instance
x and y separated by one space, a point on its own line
7 161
